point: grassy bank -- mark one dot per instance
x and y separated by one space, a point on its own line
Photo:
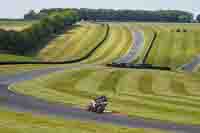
116 45
175 45
150 94
74 43
12 57
12 122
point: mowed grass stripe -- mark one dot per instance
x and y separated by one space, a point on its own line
23 122
176 48
76 43
178 87
145 83
93 81
164 99
105 49
122 47
117 44
133 84
157 50
156 110
88 42
109 84
60 43
162 84
161 106
70 80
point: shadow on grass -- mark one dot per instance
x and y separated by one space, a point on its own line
46 41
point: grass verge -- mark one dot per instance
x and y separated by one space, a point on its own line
151 94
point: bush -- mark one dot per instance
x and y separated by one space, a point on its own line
26 40
184 30
178 30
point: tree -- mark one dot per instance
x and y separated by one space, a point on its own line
31 15
198 18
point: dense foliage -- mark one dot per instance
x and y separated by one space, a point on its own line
28 39
137 15
125 15
198 18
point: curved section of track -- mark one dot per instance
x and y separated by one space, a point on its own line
190 67
137 45
22 103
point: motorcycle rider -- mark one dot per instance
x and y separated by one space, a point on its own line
99 100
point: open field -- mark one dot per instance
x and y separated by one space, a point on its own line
27 122
75 43
173 48
81 39
150 94
15 25
118 43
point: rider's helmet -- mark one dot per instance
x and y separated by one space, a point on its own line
101 99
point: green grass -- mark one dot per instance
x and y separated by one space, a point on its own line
151 94
12 57
15 69
173 48
117 44
75 43
15 25
78 41
12 122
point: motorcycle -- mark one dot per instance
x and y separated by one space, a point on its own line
97 107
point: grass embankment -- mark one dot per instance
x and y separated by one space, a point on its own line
172 48
12 122
75 43
150 94
116 45
15 25
15 69
12 57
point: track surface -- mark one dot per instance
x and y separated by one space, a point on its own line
24 103
190 67
135 49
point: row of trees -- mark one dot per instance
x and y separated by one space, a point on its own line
122 15
137 15
27 40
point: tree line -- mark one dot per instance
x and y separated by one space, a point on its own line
122 15
27 40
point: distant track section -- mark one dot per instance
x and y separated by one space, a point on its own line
138 44
61 62
191 66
